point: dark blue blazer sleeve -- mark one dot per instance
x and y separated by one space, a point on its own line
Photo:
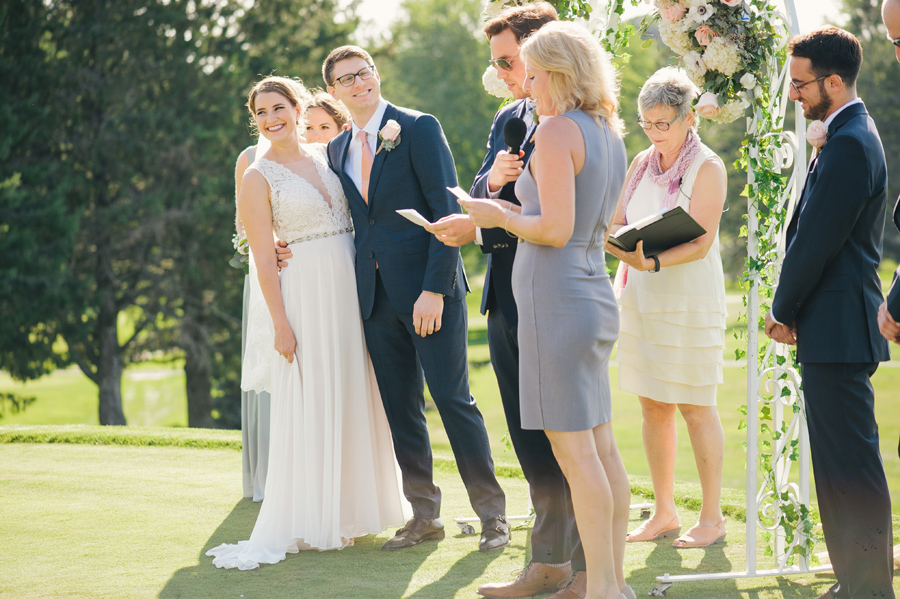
433 165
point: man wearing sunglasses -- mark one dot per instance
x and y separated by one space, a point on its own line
889 312
412 291
826 304
555 547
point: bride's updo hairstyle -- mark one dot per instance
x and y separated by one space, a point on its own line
292 89
582 76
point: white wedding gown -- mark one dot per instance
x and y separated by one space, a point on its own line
332 473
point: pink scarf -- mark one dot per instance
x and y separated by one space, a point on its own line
670 180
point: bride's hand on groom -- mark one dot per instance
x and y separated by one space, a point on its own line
285 342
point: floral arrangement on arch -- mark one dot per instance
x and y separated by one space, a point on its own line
725 46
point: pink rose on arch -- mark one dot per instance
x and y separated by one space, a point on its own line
816 134
672 12
708 105
705 35
732 3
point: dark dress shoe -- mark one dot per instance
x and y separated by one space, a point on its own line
494 534
415 531
832 593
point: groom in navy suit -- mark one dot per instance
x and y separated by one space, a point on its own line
826 303
412 293
555 547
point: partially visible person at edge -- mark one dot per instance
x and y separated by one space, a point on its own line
555 549
325 118
673 307
568 318
826 303
889 312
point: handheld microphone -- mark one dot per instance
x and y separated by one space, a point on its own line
514 133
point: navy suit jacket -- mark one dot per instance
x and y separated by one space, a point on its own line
415 174
829 284
496 243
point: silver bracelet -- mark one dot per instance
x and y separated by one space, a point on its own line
511 213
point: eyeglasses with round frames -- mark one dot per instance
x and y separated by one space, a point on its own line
364 74
660 125
798 86
502 63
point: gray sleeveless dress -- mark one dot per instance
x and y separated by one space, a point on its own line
568 316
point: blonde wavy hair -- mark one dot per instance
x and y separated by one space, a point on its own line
292 89
582 76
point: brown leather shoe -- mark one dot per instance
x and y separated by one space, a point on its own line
415 531
831 593
536 578
574 587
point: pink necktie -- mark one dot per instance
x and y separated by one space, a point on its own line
367 160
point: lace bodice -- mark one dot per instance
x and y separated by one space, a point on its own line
299 212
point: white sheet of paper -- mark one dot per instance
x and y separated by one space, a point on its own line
459 192
413 216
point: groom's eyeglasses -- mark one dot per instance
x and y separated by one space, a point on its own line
798 86
364 74
502 63
896 42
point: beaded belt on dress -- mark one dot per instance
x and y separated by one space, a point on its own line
320 235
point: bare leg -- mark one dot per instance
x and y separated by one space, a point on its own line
592 498
660 446
621 494
708 441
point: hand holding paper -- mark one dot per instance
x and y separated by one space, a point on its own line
414 216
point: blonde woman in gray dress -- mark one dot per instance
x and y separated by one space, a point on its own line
568 318
673 307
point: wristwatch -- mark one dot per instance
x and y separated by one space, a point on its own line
655 264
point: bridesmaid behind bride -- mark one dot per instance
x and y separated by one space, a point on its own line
332 471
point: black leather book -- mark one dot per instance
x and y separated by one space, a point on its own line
660 231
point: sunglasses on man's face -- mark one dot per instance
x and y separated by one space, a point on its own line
501 63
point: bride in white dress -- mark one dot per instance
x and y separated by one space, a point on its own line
332 473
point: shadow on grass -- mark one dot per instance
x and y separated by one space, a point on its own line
666 559
363 570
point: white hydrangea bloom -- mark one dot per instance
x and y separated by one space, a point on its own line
695 67
675 37
492 85
491 9
731 111
723 55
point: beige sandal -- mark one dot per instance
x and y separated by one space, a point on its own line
701 536
641 533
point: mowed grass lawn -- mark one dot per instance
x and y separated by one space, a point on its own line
153 395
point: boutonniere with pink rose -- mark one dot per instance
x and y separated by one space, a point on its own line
817 134
389 135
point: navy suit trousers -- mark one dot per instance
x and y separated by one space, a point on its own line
441 360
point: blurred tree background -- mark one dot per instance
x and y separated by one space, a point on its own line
122 122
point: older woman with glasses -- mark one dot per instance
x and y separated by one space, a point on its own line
672 331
